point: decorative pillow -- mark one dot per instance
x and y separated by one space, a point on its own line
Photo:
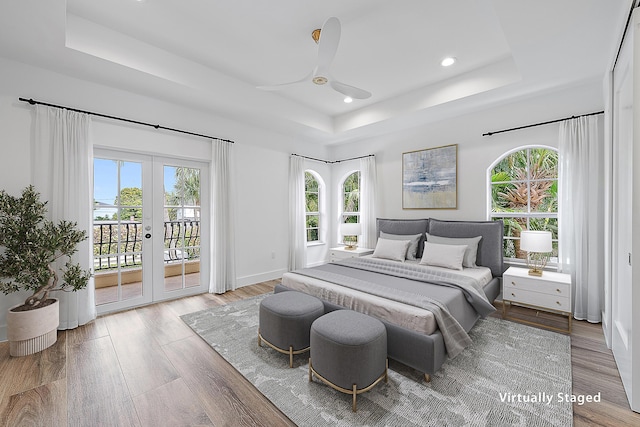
391 249
413 238
472 246
447 256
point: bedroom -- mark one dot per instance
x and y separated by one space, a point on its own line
262 152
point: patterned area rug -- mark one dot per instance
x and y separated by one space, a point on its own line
511 375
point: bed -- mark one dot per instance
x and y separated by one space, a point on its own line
427 309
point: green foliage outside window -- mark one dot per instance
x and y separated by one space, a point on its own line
524 194
351 198
129 196
312 203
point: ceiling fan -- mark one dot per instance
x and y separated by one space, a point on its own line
327 38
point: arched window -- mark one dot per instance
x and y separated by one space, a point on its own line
523 192
351 198
312 189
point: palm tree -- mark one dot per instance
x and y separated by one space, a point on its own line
352 196
188 185
525 181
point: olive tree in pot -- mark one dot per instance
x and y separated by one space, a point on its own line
31 248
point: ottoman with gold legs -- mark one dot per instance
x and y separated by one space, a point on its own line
348 352
285 321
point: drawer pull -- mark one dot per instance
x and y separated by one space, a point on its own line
558 302
558 291
513 283
512 294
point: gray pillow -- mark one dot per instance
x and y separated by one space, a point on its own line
413 245
470 253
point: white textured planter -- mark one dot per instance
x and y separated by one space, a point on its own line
32 331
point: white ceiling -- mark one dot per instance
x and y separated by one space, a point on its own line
211 54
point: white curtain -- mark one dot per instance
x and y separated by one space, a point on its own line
62 172
297 214
368 179
223 267
581 213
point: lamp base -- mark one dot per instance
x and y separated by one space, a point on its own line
536 262
350 247
535 272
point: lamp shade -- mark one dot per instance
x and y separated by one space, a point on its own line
350 229
536 241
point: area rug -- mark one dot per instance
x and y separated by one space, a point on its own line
512 375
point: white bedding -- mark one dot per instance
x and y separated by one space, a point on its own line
404 315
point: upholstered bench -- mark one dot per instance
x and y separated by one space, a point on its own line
285 321
348 352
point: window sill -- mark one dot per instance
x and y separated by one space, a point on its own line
311 244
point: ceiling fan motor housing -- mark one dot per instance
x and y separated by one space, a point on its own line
320 80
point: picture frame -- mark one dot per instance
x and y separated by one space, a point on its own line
430 178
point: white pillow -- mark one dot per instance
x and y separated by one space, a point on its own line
413 246
447 256
391 249
470 254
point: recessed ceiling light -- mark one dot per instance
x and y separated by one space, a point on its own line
348 100
448 61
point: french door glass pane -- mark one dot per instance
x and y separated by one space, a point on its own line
182 216
117 230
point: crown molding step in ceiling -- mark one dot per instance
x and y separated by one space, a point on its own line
386 56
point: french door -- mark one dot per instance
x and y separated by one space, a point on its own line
150 229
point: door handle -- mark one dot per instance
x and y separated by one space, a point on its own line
147 236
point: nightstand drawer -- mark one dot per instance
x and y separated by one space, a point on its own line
336 254
536 285
552 302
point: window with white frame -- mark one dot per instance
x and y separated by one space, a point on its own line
351 198
312 202
523 192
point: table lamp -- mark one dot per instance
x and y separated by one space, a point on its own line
350 232
538 246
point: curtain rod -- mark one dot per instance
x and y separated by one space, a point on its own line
542 123
634 4
333 161
32 102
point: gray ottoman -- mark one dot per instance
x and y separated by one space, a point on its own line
349 352
285 321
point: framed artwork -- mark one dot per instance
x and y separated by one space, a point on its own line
430 178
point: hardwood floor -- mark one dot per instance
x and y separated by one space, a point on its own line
145 367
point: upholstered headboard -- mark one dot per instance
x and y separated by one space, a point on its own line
489 248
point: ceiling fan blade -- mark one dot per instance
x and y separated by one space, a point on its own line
352 91
327 45
283 85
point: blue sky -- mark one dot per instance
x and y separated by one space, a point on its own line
105 172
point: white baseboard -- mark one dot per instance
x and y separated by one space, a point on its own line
605 330
257 278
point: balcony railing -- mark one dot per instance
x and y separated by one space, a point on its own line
123 240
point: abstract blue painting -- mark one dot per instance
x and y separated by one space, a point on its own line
429 178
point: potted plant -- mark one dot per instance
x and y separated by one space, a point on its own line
33 251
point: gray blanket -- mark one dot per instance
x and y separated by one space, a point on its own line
344 273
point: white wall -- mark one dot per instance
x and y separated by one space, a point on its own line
260 157
475 152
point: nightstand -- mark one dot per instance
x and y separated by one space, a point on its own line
341 252
550 292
